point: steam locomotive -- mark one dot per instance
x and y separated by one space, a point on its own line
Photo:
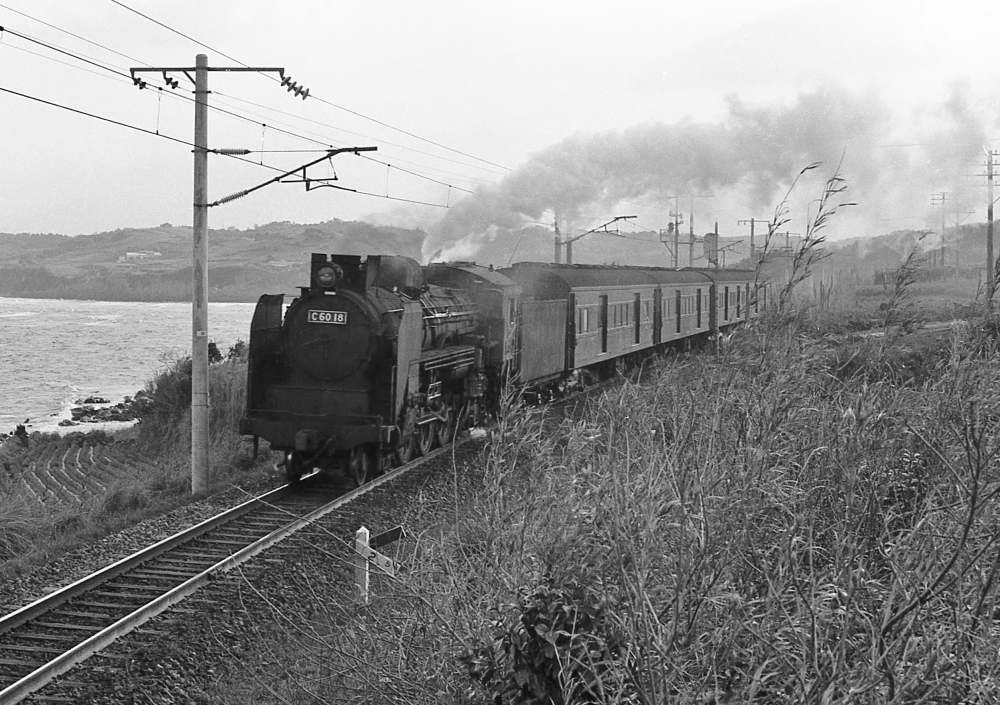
381 359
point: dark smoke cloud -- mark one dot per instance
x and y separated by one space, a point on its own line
757 149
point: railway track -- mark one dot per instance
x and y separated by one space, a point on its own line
46 638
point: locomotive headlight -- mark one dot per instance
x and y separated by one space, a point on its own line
327 276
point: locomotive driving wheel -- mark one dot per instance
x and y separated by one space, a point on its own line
406 449
294 467
359 464
426 437
445 430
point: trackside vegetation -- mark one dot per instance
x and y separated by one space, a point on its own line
800 518
59 491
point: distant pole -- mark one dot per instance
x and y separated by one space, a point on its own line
991 279
941 198
199 296
715 296
691 236
753 249
558 254
569 245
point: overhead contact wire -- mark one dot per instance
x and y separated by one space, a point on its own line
321 100
191 144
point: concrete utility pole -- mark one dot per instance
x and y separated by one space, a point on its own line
991 273
558 252
691 235
958 234
941 199
200 471
199 274
752 222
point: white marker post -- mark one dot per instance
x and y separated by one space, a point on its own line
365 555
361 551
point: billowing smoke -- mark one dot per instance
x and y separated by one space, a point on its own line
755 152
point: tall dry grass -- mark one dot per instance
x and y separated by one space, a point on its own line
769 525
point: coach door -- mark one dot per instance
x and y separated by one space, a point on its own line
637 310
571 333
657 313
602 321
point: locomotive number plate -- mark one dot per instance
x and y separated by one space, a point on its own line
337 317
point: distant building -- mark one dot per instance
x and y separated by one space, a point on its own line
139 255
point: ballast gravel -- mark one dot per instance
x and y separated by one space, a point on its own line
81 562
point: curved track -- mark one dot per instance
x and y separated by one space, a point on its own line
45 639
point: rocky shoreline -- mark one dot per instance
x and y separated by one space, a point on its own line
94 410
99 410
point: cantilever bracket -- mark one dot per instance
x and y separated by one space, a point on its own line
283 177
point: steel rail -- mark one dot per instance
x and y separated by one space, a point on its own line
61 664
40 677
52 600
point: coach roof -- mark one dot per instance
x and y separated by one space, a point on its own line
542 280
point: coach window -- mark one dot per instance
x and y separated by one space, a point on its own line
697 302
677 308
725 304
737 302
512 312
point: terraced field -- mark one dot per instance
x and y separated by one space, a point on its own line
63 472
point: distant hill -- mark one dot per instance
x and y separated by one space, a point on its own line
154 264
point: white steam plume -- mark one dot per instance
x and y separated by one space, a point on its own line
755 151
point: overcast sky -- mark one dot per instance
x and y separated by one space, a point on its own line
719 102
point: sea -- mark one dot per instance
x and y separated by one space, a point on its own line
55 352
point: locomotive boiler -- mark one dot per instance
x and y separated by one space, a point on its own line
375 361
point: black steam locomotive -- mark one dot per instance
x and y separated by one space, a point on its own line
380 360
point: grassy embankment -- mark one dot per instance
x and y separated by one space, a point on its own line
57 492
803 518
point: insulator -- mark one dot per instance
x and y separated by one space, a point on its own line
305 94
234 151
285 80
231 197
